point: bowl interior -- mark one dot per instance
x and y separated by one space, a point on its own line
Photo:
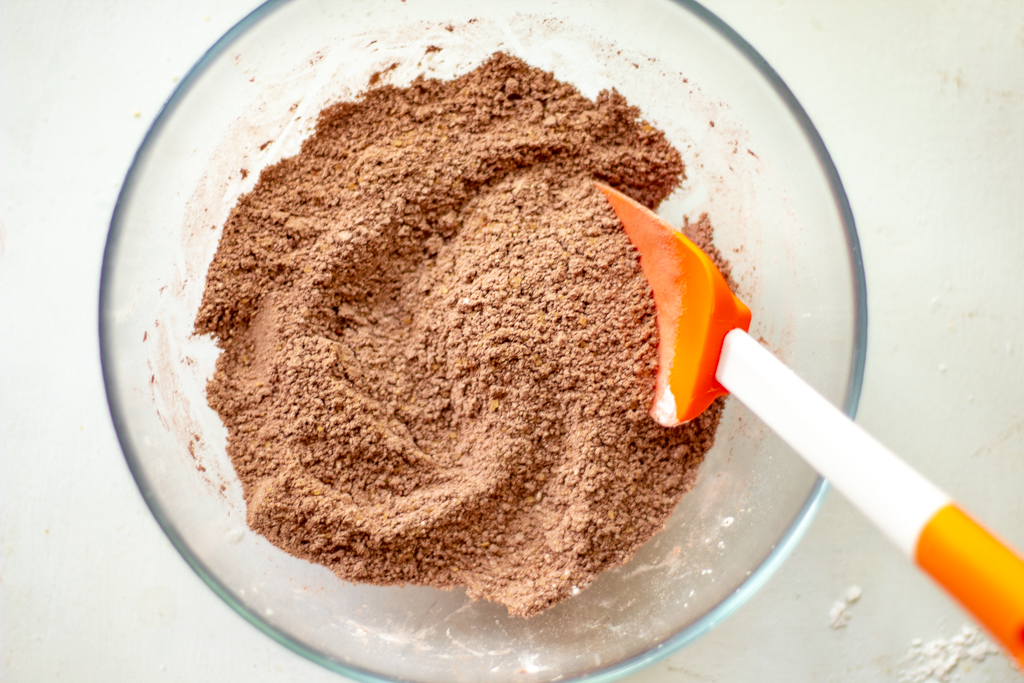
753 165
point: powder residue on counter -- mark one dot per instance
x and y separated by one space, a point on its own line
839 614
438 346
935 660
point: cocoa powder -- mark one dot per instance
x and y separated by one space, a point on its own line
438 347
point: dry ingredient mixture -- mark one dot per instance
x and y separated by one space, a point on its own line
438 347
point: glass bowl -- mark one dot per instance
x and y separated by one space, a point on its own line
754 163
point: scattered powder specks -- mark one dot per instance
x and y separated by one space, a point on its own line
839 615
934 660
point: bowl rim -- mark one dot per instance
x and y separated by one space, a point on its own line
757 578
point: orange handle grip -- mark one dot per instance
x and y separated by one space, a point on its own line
981 572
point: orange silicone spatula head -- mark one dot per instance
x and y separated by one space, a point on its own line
695 310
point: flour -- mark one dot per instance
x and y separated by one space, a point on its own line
839 615
934 660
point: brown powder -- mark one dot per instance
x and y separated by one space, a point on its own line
438 347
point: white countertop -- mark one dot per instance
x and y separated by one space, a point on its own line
922 108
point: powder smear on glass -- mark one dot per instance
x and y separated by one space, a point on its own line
438 346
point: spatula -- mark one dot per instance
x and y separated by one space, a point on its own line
704 352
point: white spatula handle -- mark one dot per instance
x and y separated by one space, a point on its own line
984 573
885 489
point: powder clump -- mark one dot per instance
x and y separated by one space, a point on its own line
438 346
